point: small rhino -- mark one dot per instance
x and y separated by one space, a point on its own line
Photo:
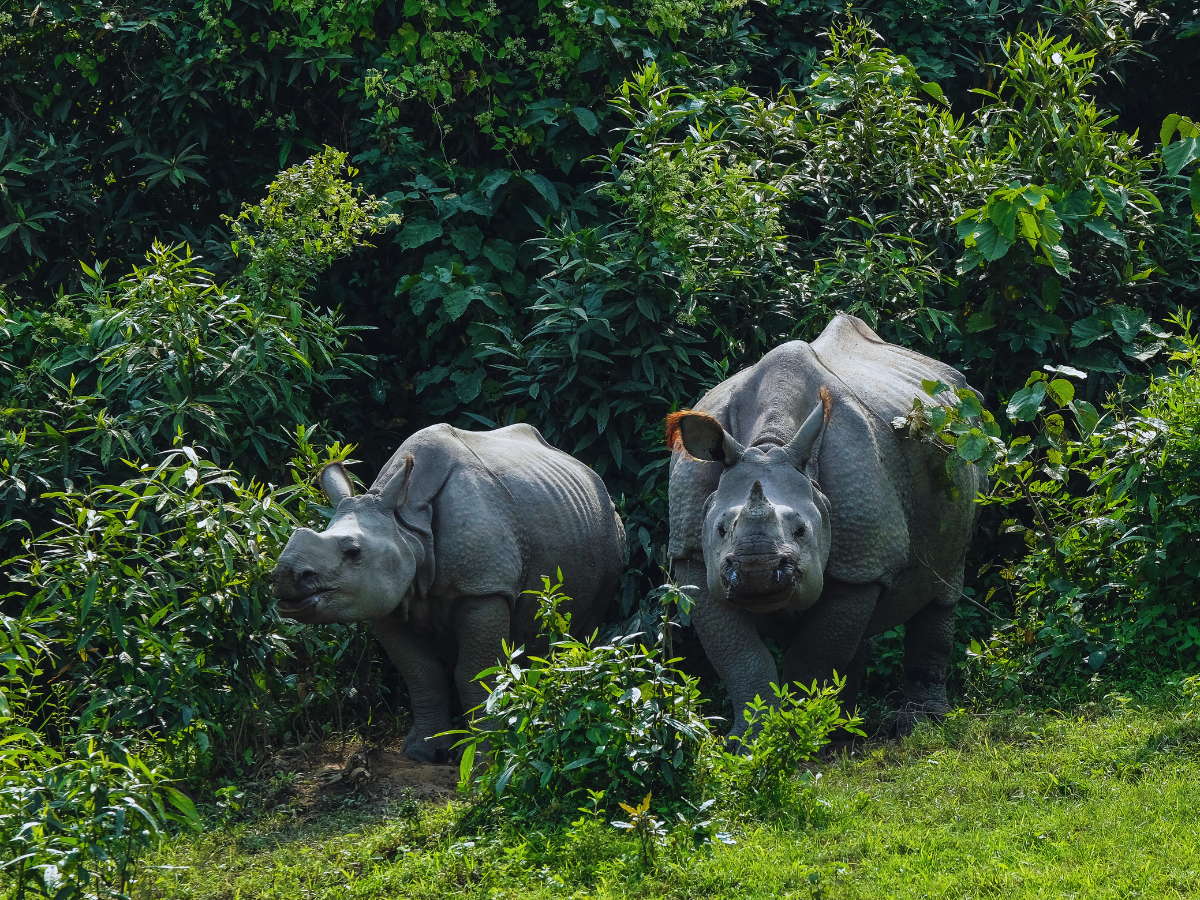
800 514
437 555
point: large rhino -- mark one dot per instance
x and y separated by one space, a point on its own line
437 553
800 514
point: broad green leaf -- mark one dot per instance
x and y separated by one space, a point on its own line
466 765
1097 359
969 404
184 804
1114 196
1108 231
1003 214
1180 154
1089 330
1086 416
1061 391
971 445
586 118
1076 206
468 240
1168 128
467 385
990 243
501 254
1028 223
417 232
1057 255
457 300
1127 322
1027 402
934 90
493 182
542 185
981 321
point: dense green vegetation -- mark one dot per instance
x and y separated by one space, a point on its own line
238 240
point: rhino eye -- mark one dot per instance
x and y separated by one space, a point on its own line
352 553
721 529
799 532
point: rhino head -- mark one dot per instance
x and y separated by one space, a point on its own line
766 531
362 566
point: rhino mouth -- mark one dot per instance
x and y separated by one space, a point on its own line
295 605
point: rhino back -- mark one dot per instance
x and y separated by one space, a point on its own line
886 378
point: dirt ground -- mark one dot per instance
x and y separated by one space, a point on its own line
379 775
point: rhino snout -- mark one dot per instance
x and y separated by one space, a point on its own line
288 583
752 577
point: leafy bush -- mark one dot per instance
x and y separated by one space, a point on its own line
1104 505
73 825
607 719
762 774
152 600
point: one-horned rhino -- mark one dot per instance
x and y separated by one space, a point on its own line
437 555
801 514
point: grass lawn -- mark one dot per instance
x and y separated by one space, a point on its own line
1104 802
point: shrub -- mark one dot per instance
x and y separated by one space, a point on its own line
761 773
75 824
613 719
1104 501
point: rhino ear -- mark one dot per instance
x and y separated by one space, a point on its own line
805 446
702 437
335 482
394 494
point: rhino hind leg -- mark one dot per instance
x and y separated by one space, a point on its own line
428 691
928 642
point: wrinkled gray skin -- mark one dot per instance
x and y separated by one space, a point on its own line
818 524
437 554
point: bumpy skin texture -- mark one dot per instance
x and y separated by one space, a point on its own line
816 523
437 554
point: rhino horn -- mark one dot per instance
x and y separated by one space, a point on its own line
394 494
335 482
758 506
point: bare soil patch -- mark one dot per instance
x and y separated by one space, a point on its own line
377 775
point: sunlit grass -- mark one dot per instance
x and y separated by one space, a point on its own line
1104 804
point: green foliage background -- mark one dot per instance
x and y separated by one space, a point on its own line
233 232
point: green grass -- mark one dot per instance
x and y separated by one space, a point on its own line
1101 803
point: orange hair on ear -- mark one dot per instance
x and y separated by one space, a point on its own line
675 427
674 437
827 402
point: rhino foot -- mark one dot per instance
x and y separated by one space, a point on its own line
912 713
435 751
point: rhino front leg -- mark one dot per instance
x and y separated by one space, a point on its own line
481 625
831 639
428 690
731 643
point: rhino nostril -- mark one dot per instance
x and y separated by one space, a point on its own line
308 575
